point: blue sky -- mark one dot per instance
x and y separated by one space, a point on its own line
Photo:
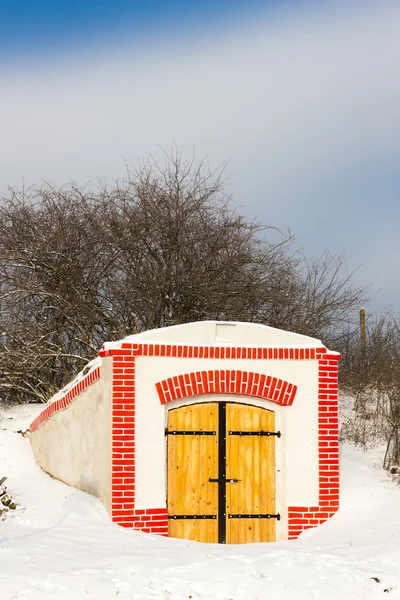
37 26
302 97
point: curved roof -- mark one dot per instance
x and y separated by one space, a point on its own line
221 332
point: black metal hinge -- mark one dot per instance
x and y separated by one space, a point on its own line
167 432
264 433
224 480
265 516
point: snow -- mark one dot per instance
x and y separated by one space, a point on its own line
172 335
60 543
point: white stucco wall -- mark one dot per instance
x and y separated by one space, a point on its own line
296 450
74 445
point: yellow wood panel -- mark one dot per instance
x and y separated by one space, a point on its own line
192 460
251 459
196 530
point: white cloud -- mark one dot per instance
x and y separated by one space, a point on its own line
303 104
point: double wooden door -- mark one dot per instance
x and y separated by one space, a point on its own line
221 473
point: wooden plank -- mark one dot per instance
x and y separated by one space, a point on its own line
192 460
171 463
208 467
252 460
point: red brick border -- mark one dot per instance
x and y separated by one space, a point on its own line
185 351
123 440
301 517
65 400
227 382
224 381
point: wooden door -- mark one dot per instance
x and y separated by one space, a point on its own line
221 473
250 459
192 460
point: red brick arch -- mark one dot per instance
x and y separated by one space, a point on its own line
227 382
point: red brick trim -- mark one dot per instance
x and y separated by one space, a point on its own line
149 520
123 440
65 400
185 351
227 382
300 517
123 486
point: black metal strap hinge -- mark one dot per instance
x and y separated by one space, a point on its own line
167 432
265 516
263 433
225 479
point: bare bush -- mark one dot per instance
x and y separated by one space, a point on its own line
322 299
52 317
162 247
375 381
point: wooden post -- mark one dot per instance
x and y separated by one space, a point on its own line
363 335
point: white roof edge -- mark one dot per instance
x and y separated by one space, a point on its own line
297 340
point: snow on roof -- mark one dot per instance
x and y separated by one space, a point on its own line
222 333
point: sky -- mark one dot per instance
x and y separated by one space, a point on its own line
302 97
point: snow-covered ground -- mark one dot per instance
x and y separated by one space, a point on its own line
61 544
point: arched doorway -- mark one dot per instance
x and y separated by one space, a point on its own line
221 473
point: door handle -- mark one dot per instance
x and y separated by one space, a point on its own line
211 480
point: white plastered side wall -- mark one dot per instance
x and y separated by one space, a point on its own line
297 476
74 445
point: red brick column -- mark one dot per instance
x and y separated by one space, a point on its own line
123 439
328 442
150 520
300 517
